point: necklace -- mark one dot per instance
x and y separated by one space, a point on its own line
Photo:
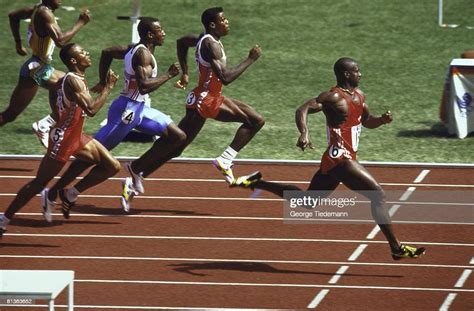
346 90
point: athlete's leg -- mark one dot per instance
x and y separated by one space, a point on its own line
47 170
106 165
74 170
22 95
155 157
356 177
233 110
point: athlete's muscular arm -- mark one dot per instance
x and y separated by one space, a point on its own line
301 119
15 17
211 51
106 57
143 65
372 122
77 91
46 26
182 46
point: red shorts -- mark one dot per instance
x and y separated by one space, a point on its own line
67 147
329 162
207 104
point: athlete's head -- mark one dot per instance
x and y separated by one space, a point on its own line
150 30
347 71
74 56
215 22
52 4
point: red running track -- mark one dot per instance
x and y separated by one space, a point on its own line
192 242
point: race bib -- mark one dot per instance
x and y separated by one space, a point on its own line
56 135
128 116
335 152
191 99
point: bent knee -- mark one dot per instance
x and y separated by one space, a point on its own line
114 167
378 196
258 122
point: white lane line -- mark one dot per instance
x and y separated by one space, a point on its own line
472 261
421 176
407 193
317 300
393 209
447 302
380 264
335 278
463 278
358 251
211 238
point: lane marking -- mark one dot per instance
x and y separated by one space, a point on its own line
407 193
421 176
382 264
463 278
335 278
317 300
212 238
472 261
447 302
358 251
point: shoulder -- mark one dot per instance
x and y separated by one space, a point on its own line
74 83
142 56
45 14
329 97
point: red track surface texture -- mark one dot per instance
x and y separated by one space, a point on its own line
192 242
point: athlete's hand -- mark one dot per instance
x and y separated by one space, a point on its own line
85 16
98 88
255 52
182 83
304 142
112 78
20 50
387 117
173 71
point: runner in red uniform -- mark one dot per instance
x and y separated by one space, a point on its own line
66 139
346 112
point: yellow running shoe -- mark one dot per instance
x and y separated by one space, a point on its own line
407 251
128 193
247 181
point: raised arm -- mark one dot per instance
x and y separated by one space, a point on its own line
53 30
143 65
15 17
182 46
77 91
372 122
301 119
211 51
106 57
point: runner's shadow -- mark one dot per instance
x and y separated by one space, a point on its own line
19 245
93 209
15 169
255 267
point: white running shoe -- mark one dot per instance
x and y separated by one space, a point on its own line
137 179
226 170
3 224
47 205
42 133
127 194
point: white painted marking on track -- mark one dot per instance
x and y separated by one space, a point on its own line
335 278
317 300
407 193
382 264
463 278
421 176
447 302
393 209
358 251
472 261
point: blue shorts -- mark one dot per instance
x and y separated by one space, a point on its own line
37 70
125 115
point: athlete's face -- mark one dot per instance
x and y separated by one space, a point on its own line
157 34
353 75
221 25
81 56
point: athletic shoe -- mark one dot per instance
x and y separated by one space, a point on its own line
66 204
247 181
226 170
136 178
407 251
3 225
41 133
47 205
127 194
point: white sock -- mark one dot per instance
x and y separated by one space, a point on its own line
228 156
71 194
46 123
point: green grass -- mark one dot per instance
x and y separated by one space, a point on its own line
402 52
